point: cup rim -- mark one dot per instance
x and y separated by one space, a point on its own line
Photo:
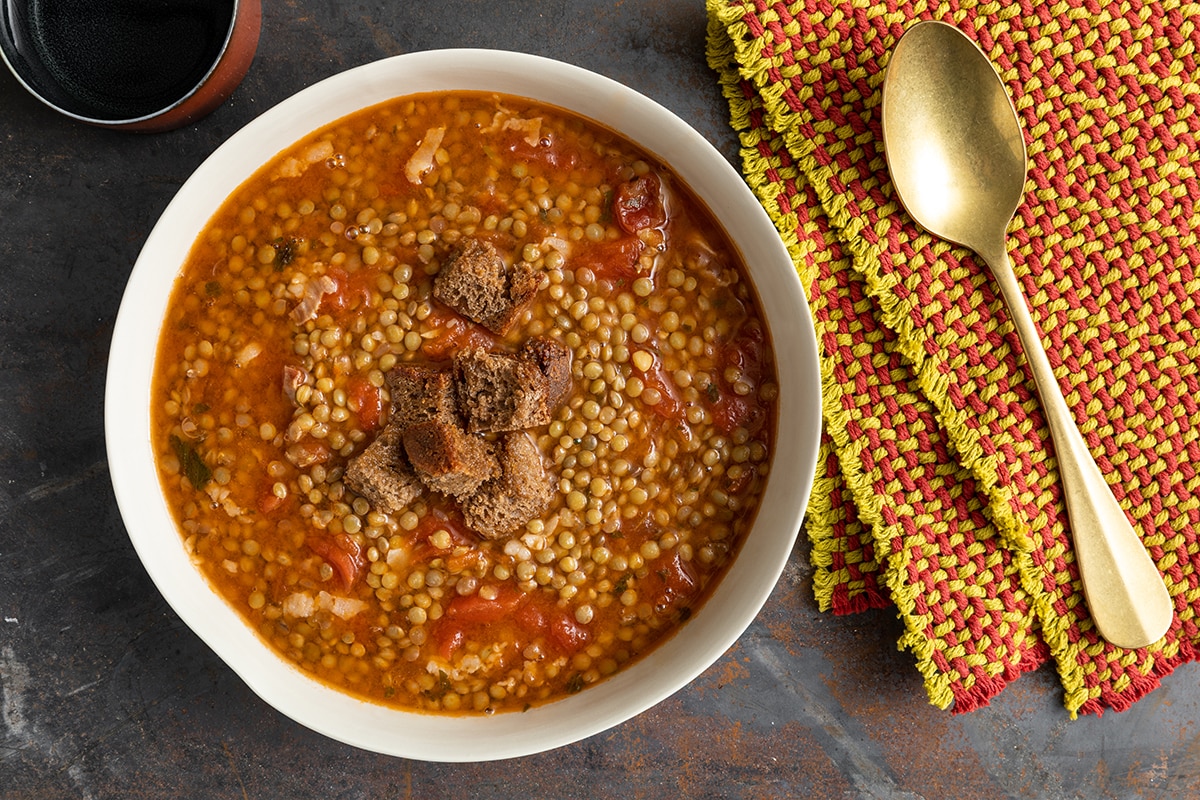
6 28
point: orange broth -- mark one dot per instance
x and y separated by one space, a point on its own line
658 456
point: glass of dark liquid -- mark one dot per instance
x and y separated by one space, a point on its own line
145 65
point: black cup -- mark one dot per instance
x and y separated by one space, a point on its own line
146 65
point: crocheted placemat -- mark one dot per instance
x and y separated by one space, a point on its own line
939 490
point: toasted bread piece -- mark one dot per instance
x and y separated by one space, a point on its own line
447 459
553 358
499 392
421 393
381 473
476 283
503 505
523 282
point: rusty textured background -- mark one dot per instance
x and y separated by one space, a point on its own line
105 694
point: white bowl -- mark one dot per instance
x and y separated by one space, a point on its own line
673 664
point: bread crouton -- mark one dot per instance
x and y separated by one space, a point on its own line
500 392
553 358
522 490
422 393
476 283
447 459
382 474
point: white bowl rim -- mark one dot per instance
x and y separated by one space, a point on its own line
676 662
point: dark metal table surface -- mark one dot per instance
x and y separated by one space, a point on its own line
106 694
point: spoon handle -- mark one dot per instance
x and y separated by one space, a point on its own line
1125 592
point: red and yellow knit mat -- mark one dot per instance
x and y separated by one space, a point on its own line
939 491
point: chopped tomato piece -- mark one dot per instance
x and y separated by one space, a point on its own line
469 611
438 520
343 554
475 608
548 149
424 544
449 637
267 501
566 634
739 484
745 351
352 291
307 452
636 531
366 400
638 204
733 411
512 613
457 333
532 618
672 581
559 627
612 261
669 406
730 410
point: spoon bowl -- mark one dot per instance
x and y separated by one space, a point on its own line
954 144
956 155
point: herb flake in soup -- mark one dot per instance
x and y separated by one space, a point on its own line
464 402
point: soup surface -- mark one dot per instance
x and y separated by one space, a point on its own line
464 402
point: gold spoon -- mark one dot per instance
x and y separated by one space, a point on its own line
957 159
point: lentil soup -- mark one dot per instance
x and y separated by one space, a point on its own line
314 285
